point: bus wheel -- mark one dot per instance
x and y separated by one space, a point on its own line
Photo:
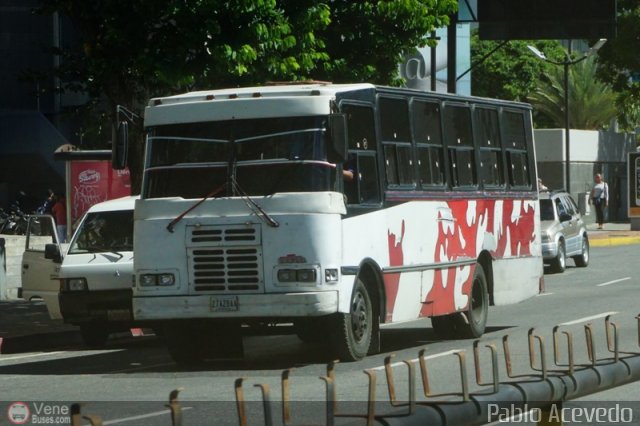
475 321
353 331
94 334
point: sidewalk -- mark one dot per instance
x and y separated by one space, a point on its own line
613 234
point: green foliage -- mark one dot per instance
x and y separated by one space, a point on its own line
620 63
591 102
512 71
367 39
136 49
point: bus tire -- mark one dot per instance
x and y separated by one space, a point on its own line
559 263
353 331
94 334
475 317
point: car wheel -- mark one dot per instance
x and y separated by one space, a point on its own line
583 259
559 264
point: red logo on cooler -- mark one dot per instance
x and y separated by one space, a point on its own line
89 176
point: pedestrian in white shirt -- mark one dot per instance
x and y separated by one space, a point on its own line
600 198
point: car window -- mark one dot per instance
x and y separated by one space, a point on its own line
560 207
546 210
568 206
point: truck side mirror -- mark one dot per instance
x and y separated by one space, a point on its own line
52 251
120 146
337 147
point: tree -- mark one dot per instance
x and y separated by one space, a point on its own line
620 63
135 49
591 101
511 72
367 39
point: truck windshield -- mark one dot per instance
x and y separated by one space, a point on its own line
263 156
109 231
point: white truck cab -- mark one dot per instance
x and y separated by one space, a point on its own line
95 272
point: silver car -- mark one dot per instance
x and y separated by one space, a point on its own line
564 233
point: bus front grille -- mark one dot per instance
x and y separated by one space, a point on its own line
225 259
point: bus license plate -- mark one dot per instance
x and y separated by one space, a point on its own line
224 303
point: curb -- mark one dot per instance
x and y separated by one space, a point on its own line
613 241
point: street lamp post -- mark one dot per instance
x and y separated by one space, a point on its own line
567 130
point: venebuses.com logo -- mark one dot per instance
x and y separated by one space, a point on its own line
18 413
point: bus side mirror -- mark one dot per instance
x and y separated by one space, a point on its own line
120 146
337 148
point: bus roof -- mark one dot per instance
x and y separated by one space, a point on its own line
272 101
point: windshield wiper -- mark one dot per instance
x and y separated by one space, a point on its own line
173 223
254 206
101 249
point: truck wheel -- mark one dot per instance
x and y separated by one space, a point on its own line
352 331
94 335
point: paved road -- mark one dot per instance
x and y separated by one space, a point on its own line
135 370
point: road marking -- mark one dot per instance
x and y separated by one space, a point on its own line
585 319
141 416
614 281
438 355
543 294
12 358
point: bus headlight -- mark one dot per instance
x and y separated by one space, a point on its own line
74 284
151 280
298 275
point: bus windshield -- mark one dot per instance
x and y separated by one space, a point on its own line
263 156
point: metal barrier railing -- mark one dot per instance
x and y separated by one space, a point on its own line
563 381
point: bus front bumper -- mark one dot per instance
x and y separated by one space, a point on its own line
287 305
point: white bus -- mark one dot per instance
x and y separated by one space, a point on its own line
338 208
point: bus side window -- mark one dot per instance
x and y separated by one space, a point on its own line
363 188
427 134
459 138
515 143
369 189
396 140
488 135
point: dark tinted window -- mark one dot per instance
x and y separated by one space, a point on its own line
488 129
394 120
360 126
457 124
546 210
514 131
426 122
